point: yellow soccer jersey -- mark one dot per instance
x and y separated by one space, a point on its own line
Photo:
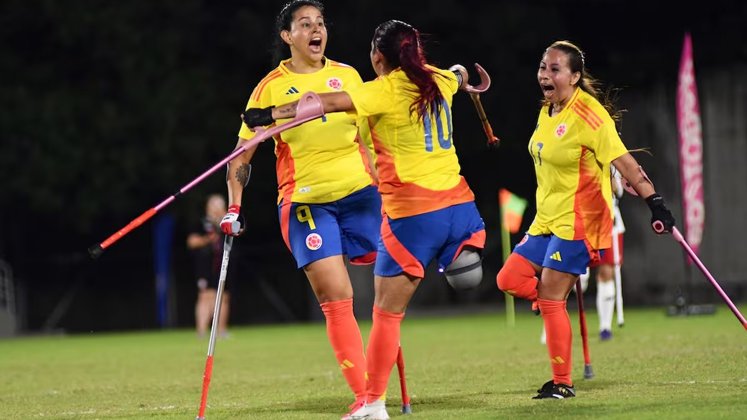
572 152
416 160
319 161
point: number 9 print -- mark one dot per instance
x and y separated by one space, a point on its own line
303 213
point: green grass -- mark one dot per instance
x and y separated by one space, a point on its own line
465 367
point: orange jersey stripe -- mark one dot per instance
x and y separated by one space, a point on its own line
587 115
285 168
591 209
584 117
589 112
285 220
258 91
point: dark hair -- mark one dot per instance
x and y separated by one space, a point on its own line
283 23
400 45
590 85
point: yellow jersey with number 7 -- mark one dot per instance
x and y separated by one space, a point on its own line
572 151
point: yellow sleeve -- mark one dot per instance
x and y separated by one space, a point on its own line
372 98
449 77
609 146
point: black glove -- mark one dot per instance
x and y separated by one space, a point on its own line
660 214
258 117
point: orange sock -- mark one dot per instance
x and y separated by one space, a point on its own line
346 340
559 339
383 344
518 278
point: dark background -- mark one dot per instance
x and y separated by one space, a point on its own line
110 107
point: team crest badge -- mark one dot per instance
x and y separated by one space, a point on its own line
523 240
313 241
334 83
560 131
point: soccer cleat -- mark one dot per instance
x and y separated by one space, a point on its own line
373 411
556 391
352 408
605 335
546 386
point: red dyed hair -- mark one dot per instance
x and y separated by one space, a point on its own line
399 43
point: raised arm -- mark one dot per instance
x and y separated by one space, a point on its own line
331 102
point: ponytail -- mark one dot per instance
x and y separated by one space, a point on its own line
400 45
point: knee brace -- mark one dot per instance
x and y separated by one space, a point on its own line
465 272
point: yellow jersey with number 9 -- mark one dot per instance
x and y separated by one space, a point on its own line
416 159
572 151
320 161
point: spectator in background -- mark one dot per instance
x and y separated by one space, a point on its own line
205 241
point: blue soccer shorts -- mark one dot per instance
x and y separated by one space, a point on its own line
349 226
408 244
568 256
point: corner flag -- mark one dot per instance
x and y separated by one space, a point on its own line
512 210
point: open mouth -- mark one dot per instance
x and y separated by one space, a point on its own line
315 44
547 88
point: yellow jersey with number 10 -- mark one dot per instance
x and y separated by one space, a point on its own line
320 161
415 159
572 152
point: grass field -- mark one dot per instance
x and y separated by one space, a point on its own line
465 367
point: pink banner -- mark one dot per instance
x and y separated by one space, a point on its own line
691 147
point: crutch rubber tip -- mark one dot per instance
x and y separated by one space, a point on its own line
95 251
588 372
406 409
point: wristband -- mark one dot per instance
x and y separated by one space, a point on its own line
654 200
258 117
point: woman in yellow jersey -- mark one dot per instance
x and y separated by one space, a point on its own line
323 216
429 208
572 147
